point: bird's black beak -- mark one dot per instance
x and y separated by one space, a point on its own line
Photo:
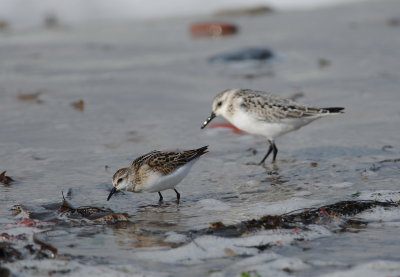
114 190
208 120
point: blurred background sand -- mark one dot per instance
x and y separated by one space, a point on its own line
86 87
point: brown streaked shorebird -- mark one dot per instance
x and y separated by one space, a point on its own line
156 171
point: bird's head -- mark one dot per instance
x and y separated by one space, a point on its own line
220 105
120 181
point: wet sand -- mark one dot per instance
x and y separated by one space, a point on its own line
148 85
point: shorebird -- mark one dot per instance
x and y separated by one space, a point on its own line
156 171
265 114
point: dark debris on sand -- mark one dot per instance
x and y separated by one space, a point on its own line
30 96
96 215
8 253
299 219
78 105
4 179
51 211
257 10
40 247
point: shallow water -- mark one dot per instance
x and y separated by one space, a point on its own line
149 86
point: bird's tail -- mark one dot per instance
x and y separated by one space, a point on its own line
202 150
334 109
195 153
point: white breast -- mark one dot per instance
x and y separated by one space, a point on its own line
158 182
270 130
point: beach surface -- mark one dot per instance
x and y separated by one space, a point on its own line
79 102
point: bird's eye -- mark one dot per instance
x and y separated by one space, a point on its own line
219 104
119 180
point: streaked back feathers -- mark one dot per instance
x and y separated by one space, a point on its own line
167 161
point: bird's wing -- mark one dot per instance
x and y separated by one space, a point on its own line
269 107
168 161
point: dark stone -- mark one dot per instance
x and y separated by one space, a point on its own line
4 272
256 54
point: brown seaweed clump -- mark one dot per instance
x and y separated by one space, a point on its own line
94 214
299 219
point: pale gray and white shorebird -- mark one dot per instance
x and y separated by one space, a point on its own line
265 114
156 171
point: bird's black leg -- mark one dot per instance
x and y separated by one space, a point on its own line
275 149
271 147
178 195
161 198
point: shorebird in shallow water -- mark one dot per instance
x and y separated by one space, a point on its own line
261 113
156 171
